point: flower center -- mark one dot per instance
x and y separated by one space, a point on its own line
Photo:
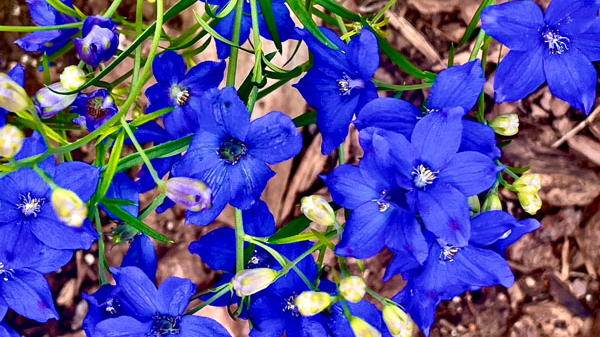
30 206
448 252
180 95
5 274
232 151
557 44
381 202
346 84
94 107
423 176
165 326
290 306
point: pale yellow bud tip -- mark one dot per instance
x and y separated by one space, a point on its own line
362 328
72 78
530 202
318 210
11 140
492 203
397 321
69 207
506 125
310 303
251 281
353 288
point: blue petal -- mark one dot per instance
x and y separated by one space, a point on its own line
572 78
509 84
123 326
390 114
159 96
124 188
27 292
515 24
221 197
348 188
258 220
588 42
283 20
182 121
6 331
401 264
444 211
458 86
203 76
78 177
524 227
248 179
489 227
217 249
266 315
56 234
325 57
44 14
480 138
142 254
420 305
273 138
17 74
223 111
365 232
470 172
225 28
363 54
193 326
169 68
571 16
408 236
436 137
174 295
137 291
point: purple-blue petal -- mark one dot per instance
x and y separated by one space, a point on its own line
515 24
509 84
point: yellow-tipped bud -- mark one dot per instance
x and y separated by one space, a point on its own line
318 210
353 288
492 203
310 303
528 183
506 125
11 140
12 96
397 321
362 328
530 202
251 281
69 207
474 205
72 78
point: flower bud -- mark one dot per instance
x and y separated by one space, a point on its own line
474 205
492 203
528 183
99 40
318 210
192 194
12 96
50 103
69 207
72 78
362 328
353 288
506 125
530 202
397 321
310 303
11 140
250 281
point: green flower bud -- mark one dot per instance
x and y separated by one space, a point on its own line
528 183
310 303
530 202
250 281
12 96
69 207
11 140
474 205
397 321
353 288
72 78
318 210
362 328
492 203
506 125
192 194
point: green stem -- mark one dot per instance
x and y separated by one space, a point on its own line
142 153
342 154
113 8
231 70
222 292
139 18
102 266
385 86
376 296
28 29
383 10
239 240
153 206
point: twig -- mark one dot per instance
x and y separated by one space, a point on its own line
577 128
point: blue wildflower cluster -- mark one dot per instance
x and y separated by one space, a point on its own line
425 187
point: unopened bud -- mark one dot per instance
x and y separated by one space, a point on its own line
362 328
192 194
353 288
50 102
318 210
506 125
12 96
11 140
397 321
69 207
474 205
530 202
72 78
528 183
251 281
310 303
492 203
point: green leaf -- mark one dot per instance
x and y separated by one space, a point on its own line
323 239
111 167
295 227
297 6
216 35
519 170
118 202
267 12
338 9
474 21
305 119
160 151
61 7
136 223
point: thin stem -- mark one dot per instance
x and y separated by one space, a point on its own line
113 8
383 10
101 250
210 300
142 153
153 206
139 18
239 239
28 29
342 154
394 87
231 70
376 296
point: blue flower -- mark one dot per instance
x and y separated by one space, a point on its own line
94 109
437 177
458 86
100 40
230 153
50 102
17 74
558 47
339 83
449 270
378 208
23 262
6 331
123 188
156 312
25 199
283 21
48 41
182 91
